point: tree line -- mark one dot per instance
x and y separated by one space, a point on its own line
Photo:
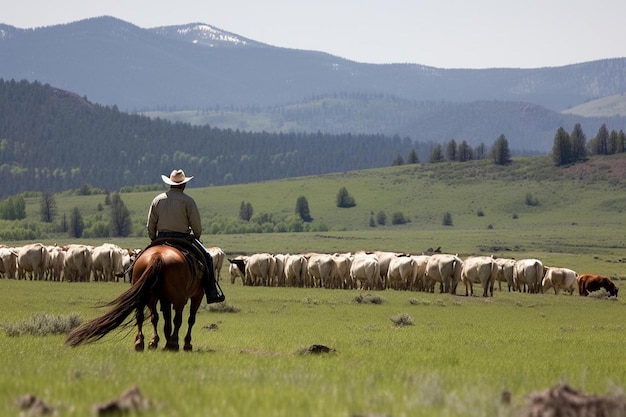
573 147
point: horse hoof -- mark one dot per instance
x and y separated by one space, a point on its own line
188 348
172 348
139 346
153 345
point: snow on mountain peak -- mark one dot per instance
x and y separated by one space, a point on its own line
203 34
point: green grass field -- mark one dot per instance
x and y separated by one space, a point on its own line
456 359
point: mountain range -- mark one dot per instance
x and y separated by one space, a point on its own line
200 67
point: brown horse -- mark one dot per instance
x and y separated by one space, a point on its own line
160 274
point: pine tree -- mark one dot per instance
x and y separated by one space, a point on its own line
344 199
245 211
500 152
579 143
451 150
120 217
464 152
76 225
600 144
436 155
302 209
398 160
48 207
562 148
413 158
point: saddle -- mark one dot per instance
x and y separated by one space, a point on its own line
192 254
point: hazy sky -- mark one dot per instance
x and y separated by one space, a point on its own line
439 33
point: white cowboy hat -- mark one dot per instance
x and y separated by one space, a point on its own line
177 177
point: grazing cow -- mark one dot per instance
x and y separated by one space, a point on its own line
559 279
218 256
32 259
296 271
384 258
321 270
445 269
591 282
365 270
401 272
342 271
128 259
528 273
479 270
260 269
505 272
106 262
55 263
8 262
418 283
237 268
77 265
279 273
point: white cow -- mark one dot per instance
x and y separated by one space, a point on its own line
384 258
479 270
505 272
77 265
295 270
321 270
55 262
237 268
33 259
279 272
218 256
365 270
528 273
420 275
260 269
401 272
560 279
107 262
342 271
445 269
8 262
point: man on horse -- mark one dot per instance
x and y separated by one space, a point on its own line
174 214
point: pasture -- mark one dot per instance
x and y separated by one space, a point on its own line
456 358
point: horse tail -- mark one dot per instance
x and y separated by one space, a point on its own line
137 296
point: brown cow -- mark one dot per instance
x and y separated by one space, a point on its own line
591 282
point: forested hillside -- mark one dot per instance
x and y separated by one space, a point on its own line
53 140
528 127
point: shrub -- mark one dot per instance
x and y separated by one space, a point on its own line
530 200
480 213
369 299
43 325
344 199
398 218
447 219
402 320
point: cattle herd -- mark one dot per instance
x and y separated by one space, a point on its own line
74 262
376 270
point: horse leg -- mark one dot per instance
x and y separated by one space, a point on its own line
154 319
172 341
139 316
195 304
166 308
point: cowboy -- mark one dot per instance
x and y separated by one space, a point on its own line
174 214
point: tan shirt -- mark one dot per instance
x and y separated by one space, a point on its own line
173 211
